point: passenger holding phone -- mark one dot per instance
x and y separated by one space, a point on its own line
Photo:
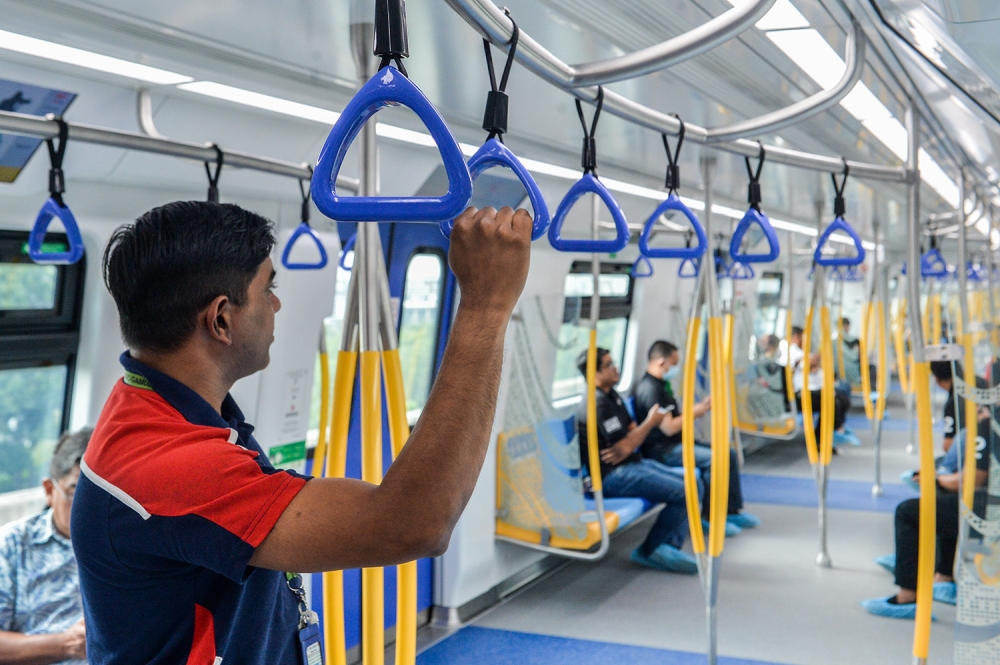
663 443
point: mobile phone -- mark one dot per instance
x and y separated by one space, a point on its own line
666 409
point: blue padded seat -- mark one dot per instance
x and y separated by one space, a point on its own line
628 509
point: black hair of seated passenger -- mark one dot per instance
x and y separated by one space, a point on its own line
581 360
174 260
797 330
661 349
68 453
941 369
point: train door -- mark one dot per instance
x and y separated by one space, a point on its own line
422 290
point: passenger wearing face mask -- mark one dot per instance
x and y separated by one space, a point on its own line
663 443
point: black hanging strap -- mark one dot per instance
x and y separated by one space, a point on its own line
839 207
495 118
57 180
673 180
753 196
391 41
589 161
306 194
213 178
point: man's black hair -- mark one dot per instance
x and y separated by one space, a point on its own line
174 260
661 349
68 453
797 330
941 369
581 360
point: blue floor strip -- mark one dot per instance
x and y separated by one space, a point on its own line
841 494
489 646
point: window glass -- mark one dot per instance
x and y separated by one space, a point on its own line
28 286
582 285
418 329
31 413
573 339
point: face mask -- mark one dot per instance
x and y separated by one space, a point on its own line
671 373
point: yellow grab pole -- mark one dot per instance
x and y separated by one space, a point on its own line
841 366
720 439
372 582
827 397
687 437
900 346
727 359
935 306
969 461
593 452
789 370
319 454
882 371
406 573
928 511
866 380
808 428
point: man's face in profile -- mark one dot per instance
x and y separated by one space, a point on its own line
253 323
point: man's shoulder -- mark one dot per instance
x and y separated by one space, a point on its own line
18 534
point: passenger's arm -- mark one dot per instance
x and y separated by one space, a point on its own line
338 523
20 649
672 424
950 481
635 437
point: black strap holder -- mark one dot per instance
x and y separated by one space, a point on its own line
839 206
391 41
753 194
306 195
213 178
673 179
495 118
57 179
589 161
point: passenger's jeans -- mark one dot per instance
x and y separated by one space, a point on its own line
908 537
673 455
650 480
841 404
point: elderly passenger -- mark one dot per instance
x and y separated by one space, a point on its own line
41 615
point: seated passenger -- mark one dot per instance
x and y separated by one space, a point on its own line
41 614
903 564
814 387
663 443
626 474
182 527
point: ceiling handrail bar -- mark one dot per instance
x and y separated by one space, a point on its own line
805 108
29 125
487 19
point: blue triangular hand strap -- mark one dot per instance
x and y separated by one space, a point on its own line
304 230
839 224
754 216
721 267
387 87
740 270
689 268
589 184
642 267
494 153
932 264
347 249
673 202
51 210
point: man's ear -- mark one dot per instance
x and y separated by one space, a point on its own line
49 487
217 320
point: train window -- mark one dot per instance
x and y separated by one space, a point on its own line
39 336
615 284
766 320
420 319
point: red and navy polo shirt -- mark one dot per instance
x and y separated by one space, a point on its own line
173 498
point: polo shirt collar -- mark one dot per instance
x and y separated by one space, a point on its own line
190 404
44 529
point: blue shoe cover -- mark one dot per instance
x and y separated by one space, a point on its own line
881 607
731 528
848 437
744 520
945 592
907 479
669 558
888 562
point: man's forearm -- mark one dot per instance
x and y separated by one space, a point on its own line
19 649
435 474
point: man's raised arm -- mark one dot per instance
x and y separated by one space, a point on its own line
341 523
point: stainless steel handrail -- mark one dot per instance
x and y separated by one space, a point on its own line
29 125
808 107
492 23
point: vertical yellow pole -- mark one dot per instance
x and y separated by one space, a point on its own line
406 574
935 331
969 461
928 511
687 437
720 439
827 398
900 345
336 467
372 582
593 452
882 372
808 428
866 381
727 358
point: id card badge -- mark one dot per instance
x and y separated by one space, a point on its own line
312 651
